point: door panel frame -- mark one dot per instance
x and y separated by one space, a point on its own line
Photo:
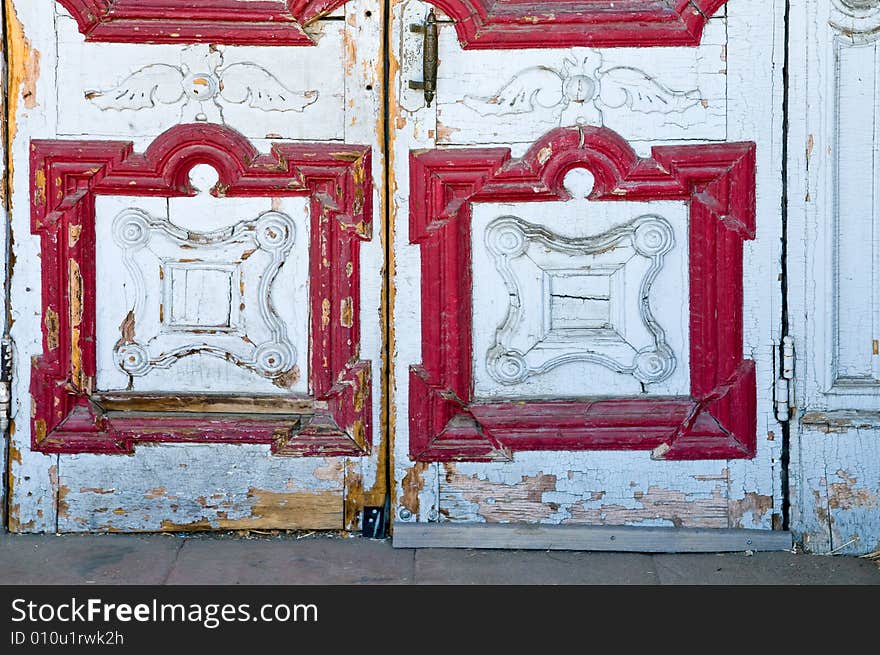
718 421
67 175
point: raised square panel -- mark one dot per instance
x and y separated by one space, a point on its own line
202 296
209 294
578 302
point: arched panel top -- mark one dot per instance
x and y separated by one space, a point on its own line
231 22
507 24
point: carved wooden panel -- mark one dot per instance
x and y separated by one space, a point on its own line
239 22
580 300
125 90
516 96
717 419
70 412
854 365
196 295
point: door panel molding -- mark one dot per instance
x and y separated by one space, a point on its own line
717 421
504 24
231 22
67 175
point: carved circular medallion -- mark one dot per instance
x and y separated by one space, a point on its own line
133 359
131 229
275 231
653 237
857 18
581 88
506 238
509 368
274 358
654 364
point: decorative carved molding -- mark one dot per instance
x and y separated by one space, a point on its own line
536 338
580 93
223 259
508 24
479 23
856 19
717 420
233 22
201 85
65 178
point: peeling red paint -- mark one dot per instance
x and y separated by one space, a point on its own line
717 421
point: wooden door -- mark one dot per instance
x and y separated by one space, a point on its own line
197 264
586 279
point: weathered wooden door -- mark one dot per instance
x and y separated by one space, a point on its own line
581 271
586 225
197 274
834 273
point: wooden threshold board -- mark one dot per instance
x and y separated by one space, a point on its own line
589 538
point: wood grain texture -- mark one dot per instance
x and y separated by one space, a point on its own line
165 491
716 422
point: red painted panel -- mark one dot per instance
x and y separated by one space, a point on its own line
479 23
234 22
717 420
567 23
67 175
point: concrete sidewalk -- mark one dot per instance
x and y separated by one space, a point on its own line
326 559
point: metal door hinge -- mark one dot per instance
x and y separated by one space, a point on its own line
783 388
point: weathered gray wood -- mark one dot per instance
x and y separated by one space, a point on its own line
576 537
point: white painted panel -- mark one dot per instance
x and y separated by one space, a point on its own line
129 89
518 95
557 297
175 314
857 212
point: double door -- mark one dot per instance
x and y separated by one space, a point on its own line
306 265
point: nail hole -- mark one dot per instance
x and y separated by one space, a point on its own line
369 87
368 13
